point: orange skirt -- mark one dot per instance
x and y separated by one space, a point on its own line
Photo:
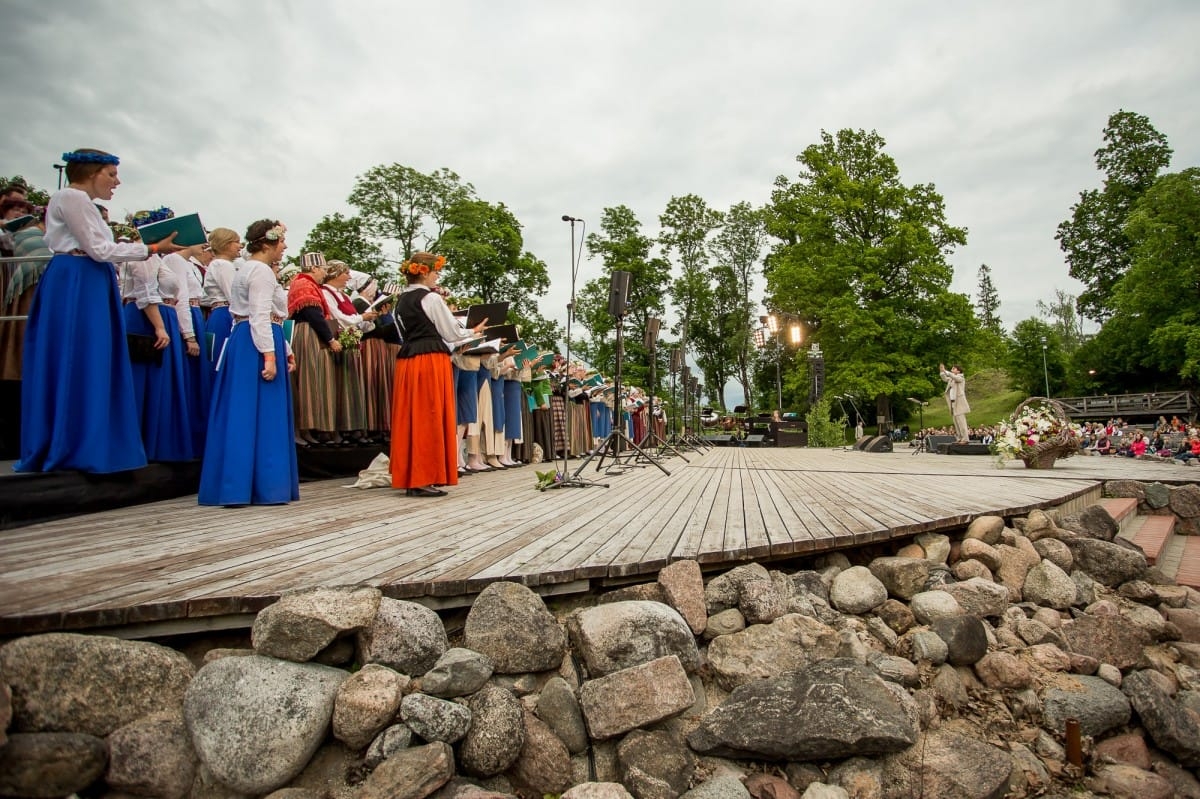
424 450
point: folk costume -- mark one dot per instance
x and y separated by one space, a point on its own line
217 281
77 403
315 380
250 456
350 377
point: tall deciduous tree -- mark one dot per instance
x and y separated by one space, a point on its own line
1061 315
686 226
861 257
33 194
739 246
987 301
1094 239
345 239
1036 358
400 204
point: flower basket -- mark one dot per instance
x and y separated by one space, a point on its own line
1039 432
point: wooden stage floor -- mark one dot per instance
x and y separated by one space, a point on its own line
172 566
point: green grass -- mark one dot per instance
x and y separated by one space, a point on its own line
990 397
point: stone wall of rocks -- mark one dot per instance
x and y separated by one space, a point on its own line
947 669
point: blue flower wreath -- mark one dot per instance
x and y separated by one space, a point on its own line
75 157
146 217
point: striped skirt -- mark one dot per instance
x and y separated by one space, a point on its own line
351 397
379 374
314 383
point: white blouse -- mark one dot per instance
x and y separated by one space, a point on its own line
252 295
217 280
451 330
74 223
175 287
140 281
343 319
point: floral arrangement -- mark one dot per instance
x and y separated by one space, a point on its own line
1038 428
275 233
122 232
417 268
77 157
350 338
142 218
547 479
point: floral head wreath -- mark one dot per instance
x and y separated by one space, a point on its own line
124 232
142 218
412 267
76 157
274 234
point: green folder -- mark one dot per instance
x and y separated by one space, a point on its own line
191 232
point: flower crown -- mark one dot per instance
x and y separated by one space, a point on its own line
416 268
142 218
76 157
275 233
127 232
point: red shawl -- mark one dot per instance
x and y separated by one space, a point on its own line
343 302
305 293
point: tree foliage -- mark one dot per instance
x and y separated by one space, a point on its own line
987 301
861 258
1036 358
32 193
1094 240
1061 315
345 239
400 204
739 247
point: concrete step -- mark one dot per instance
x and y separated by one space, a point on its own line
1188 571
1151 533
1122 509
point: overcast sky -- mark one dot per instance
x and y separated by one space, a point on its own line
242 110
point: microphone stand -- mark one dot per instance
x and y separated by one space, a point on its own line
565 478
652 438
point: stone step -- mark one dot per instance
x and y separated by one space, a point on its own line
1122 509
1188 572
1151 534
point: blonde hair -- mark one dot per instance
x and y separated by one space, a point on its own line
336 269
221 237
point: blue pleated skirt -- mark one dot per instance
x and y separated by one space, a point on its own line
198 373
216 333
496 387
161 392
77 403
601 420
250 454
512 409
466 396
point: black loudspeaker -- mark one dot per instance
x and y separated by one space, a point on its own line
618 293
676 360
879 444
652 325
862 442
754 440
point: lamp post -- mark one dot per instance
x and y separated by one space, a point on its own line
1045 369
774 326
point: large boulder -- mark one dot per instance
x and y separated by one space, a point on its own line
1107 638
410 774
768 650
511 625
497 732
152 756
620 635
1048 585
683 588
635 697
63 682
458 672
1108 563
1174 728
558 706
366 703
857 591
965 637
655 765
302 623
949 766
1099 706
435 719
544 764
903 578
1092 522
404 636
255 722
979 597
50 764
869 720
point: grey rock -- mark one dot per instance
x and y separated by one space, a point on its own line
435 719
965 637
895 669
1108 639
1033 632
1056 552
623 634
928 645
559 708
683 589
597 790
1174 728
457 672
497 732
935 545
639 592
725 786
762 602
152 756
388 743
896 615
302 623
857 591
544 765
1184 501
767 650
949 688
63 682
1157 495
949 766
1093 522
1108 563
870 719
903 578
939 575
404 636
929 605
1085 588
50 764
410 774
1099 706
510 625
256 721
724 623
366 703
1048 585
634 697
811 583
655 765
979 597
986 529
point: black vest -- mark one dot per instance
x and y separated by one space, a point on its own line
418 331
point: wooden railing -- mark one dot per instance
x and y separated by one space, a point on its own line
1156 403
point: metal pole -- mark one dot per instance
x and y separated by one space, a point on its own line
778 378
1045 369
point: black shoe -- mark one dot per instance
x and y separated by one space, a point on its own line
424 492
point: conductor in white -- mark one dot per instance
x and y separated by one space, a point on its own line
956 400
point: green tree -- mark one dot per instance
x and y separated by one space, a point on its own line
686 226
1036 357
739 246
1160 294
987 301
1094 240
400 204
345 239
33 194
718 338
861 258
1061 314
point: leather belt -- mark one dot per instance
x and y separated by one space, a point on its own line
170 301
219 305
194 303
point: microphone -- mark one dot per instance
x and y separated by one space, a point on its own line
567 218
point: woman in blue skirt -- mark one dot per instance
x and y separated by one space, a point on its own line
250 455
77 406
